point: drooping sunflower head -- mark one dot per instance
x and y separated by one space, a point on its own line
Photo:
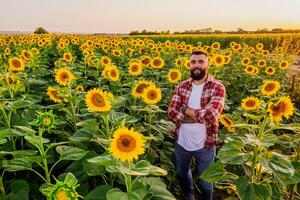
226 122
64 76
139 88
270 87
174 75
127 144
152 95
53 94
283 107
135 68
97 100
250 103
157 63
16 64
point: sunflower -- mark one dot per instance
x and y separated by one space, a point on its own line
97 100
135 69
270 87
283 107
64 76
157 63
218 60
249 69
16 64
215 45
61 195
179 62
174 75
226 122
26 55
79 88
250 103
117 53
127 144
259 46
265 53
270 70
255 70
283 65
261 63
246 61
114 74
152 95
138 89
34 51
53 94
68 57
227 59
146 61
106 72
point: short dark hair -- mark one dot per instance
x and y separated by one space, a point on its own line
199 52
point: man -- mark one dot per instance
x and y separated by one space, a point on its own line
195 109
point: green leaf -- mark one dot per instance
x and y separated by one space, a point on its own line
281 167
252 191
216 173
158 189
19 190
9 132
98 193
17 164
117 194
231 152
104 160
70 153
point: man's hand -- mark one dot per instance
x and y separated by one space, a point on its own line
190 113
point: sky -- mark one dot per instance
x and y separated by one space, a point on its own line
123 16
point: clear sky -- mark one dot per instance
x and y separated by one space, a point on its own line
123 16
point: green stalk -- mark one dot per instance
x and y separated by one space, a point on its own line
1 183
44 156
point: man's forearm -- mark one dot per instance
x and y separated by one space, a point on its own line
189 112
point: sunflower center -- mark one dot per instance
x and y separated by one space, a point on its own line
126 143
64 76
156 62
140 88
218 60
47 121
98 100
283 64
113 73
105 61
146 61
134 68
16 63
174 75
269 87
250 103
270 70
249 69
152 94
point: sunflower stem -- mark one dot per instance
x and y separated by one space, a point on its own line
44 156
2 189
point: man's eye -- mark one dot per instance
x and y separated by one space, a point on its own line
193 61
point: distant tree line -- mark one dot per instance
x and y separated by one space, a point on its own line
211 31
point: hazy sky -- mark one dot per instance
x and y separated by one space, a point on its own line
123 16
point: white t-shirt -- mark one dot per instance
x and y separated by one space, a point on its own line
192 135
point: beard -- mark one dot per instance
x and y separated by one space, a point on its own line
198 76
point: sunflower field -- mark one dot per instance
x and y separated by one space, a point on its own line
84 116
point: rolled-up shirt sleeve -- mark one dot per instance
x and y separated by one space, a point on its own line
174 109
214 108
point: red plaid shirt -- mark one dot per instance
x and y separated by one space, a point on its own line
212 103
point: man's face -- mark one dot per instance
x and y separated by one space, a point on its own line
199 65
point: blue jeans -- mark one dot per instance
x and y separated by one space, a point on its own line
204 157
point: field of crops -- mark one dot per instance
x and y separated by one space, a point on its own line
84 116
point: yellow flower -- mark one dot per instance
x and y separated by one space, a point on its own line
97 100
135 69
259 46
157 63
152 95
284 65
64 76
261 63
138 89
219 60
174 75
16 64
54 95
283 107
250 103
79 88
270 87
215 45
26 55
127 144
226 122
246 61
117 53
270 70
61 195
146 61
250 69
114 74
68 57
